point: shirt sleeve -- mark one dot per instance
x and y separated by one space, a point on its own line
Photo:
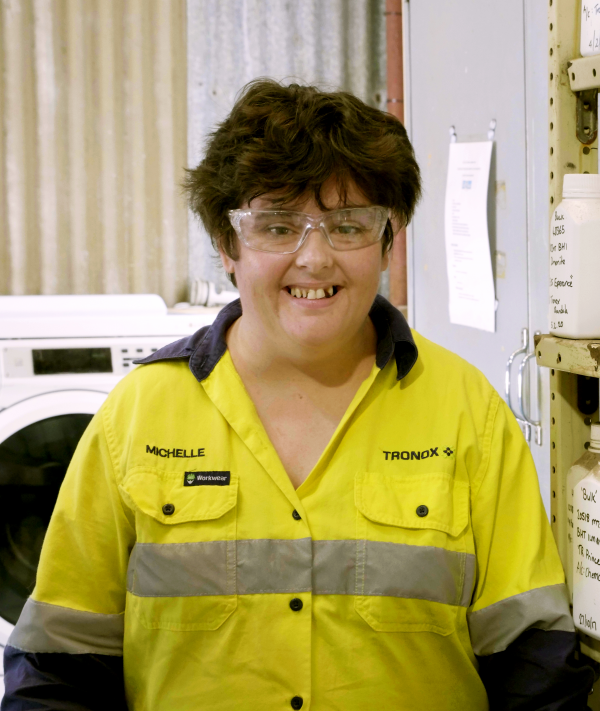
519 618
69 682
71 628
539 671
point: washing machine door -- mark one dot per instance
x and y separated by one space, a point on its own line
37 439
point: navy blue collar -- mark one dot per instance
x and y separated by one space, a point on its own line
206 347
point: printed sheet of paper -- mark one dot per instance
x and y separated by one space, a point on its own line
468 260
590 29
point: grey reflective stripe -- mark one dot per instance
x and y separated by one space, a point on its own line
50 628
421 572
334 567
209 568
182 569
301 565
274 566
493 628
394 570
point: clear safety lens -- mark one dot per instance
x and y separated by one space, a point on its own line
284 231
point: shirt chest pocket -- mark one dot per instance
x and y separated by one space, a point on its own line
413 573
182 570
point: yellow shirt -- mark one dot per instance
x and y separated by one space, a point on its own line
418 541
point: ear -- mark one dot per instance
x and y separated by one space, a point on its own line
385 260
227 262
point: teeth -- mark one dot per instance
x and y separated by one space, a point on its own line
311 294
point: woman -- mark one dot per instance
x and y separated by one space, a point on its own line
304 505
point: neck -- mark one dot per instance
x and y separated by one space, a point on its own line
332 364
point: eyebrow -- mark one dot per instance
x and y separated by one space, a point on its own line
282 207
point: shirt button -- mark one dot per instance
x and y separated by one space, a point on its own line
297 516
422 510
297 702
168 509
296 605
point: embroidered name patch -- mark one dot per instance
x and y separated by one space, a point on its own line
207 479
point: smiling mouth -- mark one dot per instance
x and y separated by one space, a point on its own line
312 294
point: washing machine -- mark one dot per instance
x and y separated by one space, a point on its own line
59 358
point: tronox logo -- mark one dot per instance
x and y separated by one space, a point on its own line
409 455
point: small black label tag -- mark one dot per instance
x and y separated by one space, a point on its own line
207 479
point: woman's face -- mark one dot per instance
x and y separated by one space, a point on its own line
268 283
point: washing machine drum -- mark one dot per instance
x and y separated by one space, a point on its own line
33 463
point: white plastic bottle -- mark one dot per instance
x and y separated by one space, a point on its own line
586 545
575 259
580 470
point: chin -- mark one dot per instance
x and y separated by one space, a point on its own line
312 337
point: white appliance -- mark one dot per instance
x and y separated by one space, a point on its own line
59 358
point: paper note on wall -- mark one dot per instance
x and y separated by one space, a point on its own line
589 43
469 264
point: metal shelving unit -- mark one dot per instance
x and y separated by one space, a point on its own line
574 387
574 364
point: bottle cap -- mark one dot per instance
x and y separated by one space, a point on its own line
595 437
581 185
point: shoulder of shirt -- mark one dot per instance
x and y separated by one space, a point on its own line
169 374
438 362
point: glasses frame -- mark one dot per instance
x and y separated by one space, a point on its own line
312 222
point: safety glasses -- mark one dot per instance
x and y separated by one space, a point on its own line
285 231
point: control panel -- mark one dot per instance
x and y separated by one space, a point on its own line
35 361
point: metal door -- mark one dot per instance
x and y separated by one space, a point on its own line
467 63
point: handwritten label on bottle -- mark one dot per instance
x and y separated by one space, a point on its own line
586 556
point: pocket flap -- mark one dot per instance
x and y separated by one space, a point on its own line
434 500
154 492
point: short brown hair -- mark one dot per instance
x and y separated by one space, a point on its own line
289 140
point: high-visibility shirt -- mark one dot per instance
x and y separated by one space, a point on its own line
417 544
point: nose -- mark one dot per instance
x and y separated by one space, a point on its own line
316 253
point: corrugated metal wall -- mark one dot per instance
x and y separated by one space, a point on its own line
94 120
334 43
92 148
